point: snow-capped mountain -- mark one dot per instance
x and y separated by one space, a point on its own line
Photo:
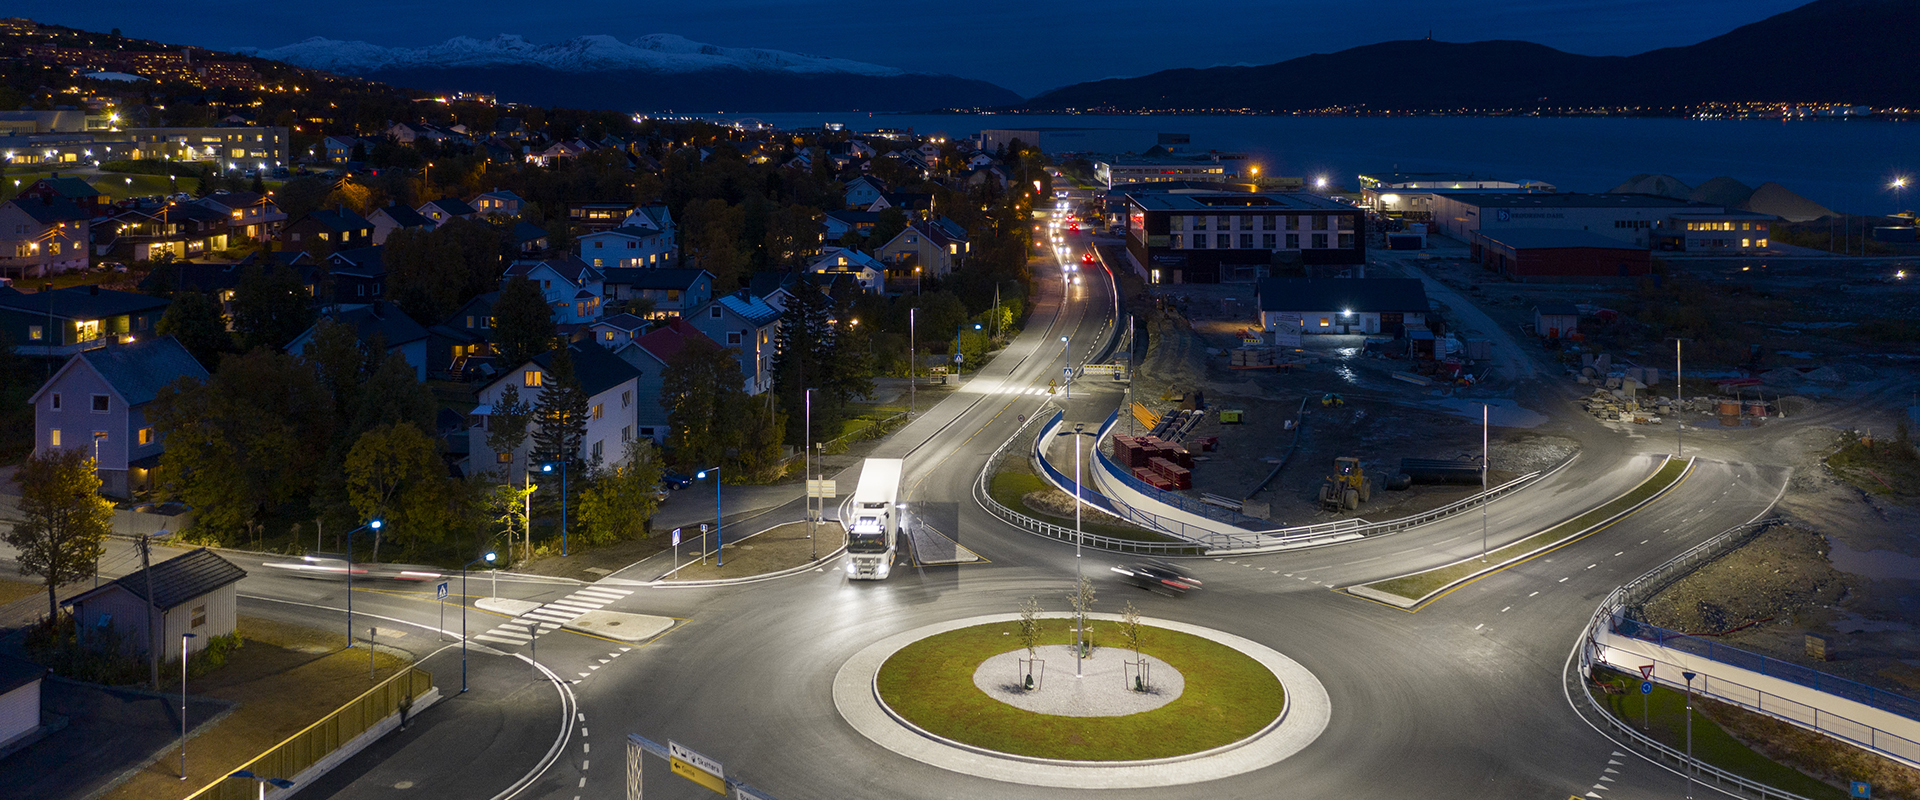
661 52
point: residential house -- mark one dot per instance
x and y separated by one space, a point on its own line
476 316
914 203
70 189
20 682
380 321
219 281
529 240
62 322
339 149
749 326
39 238
180 230
934 248
612 389
836 224
929 152
672 292
409 133
627 246
991 175
613 332
459 354
863 191
978 160
97 401
357 276
498 203
151 610
599 216
394 218
445 209
649 356
865 270
557 153
249 215
573 289
324 231
773 287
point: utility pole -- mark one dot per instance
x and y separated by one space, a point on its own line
153 651
1679 394
913 352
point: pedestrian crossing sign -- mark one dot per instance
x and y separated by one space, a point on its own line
1860 789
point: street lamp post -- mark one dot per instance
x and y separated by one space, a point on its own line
1689 676
375 524
913 352
812 545
958 330
719 538
463 618
183 704
548 467
1679 399
1484 409
1066 360
1080 607
277 783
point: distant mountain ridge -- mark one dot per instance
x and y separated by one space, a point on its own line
650 73
1849 51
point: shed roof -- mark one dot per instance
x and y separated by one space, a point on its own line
178 580
1356 294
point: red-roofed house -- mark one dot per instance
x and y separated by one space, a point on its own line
649 354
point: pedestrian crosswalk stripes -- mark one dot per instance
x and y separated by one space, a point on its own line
551 616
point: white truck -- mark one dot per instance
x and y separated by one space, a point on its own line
873 520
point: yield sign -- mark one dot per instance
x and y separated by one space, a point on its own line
1646 672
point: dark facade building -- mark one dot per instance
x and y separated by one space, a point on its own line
1236 237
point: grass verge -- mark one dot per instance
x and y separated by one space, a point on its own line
1665 719
14 590
284 678
1420 584
1228 696
1011 489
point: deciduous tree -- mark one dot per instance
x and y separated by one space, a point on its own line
394 474
700 386
63 520
522 323
619 502
270 307
200 326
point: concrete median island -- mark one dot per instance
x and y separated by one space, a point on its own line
1408 591
1226 695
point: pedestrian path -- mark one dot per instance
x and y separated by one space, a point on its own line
521 629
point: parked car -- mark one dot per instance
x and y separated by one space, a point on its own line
675 480
1159 576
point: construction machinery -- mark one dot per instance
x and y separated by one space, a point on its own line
1332 400
1347 487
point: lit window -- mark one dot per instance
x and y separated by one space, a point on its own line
53 437
34 333
146 436
596 410
1323 322
533 377
503 458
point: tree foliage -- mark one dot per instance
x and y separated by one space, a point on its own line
522 323
200 326
507 426
270 307
63 520
394 474
701 389
431 274
561 413
619 501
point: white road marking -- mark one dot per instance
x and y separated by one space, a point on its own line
1562 580
1507 609
1644 541
1591 566
1479 626
1619 554
583 781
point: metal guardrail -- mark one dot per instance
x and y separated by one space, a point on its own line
1614 616
1050 530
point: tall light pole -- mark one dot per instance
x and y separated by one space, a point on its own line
463 618
548 467
375 524
812 543
1066 361
913 352
719 538
1080 606
1679 398
957 331
1484 411
183 704
1689 676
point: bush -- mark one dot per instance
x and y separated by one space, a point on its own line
56 645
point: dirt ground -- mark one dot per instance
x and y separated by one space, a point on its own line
1778 574
784 547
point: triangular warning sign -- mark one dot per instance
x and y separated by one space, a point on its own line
1646 672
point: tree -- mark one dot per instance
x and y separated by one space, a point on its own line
270 307
619 502
762 430
1082 602
63 520
259 185
888 225
197 322
509 505
507 427
522 323
395 475
1030 633
339 361
392 395
700 385
561 410
1130 636
711 232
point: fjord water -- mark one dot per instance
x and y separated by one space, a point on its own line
1843 164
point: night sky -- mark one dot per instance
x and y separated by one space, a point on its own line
1027 47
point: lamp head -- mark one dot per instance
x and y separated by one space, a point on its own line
546 467
375 524
489 558
701 475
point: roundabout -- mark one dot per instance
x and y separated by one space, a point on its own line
945 695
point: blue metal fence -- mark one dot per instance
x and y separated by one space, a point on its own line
1771 667
1179 501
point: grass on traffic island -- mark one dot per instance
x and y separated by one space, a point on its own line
1420 584
1011 488
283 678
1664 717
1228 695
772 550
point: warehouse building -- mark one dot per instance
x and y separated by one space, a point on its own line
1390 306
1548 255
1237 237
1630 218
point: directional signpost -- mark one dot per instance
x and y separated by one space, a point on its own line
1646 688
697 768
676 553
441 594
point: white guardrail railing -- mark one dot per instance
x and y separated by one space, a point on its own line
1050 530
1611 621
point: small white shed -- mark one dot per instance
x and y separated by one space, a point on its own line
19 699
192 593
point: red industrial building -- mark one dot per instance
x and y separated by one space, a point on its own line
1547 255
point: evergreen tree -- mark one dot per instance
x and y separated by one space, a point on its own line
270 307
700 387
507 427
197 322
561 411
522 323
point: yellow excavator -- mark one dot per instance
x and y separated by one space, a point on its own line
1347 487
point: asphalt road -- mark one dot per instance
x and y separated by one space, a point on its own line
1463 699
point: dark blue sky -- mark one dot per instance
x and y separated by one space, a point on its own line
1024 46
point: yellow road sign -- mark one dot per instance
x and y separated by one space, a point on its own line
697 768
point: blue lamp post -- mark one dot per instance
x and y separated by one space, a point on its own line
463 617
548 467
720 539
374 524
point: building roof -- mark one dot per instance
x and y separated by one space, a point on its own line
1557 310
595 367
71 188
501 194
524 232
139 370
916 201
855 217
368 261
51 212
452 205
663 342
1569 200
232 200
339 219
766 282
405 217
178 580
568 267
628 231
753 309
833 258
1237 201
643 278
18 672
622 322
1342 294
80 302
1552 239
383 319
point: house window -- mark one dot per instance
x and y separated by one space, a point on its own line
596 262
1266 222
1319 241
632 245
1267 240
1223 240
1293 241
733 337
597 245
56 401
1320 222
596 449
1246 241
609 335
146 436
714 312
626 399
199 615
101 404
673 294
597 409
533 377
1177 240
1346 241
626 433
647 432
1246 223
53 437
469 321
34 333
1323 322
1200 241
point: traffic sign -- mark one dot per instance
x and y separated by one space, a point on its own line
822 488
1646 672
959 357
441 592
676 537
1860 789
697 768
1646 687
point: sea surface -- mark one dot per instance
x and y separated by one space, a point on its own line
1846 165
